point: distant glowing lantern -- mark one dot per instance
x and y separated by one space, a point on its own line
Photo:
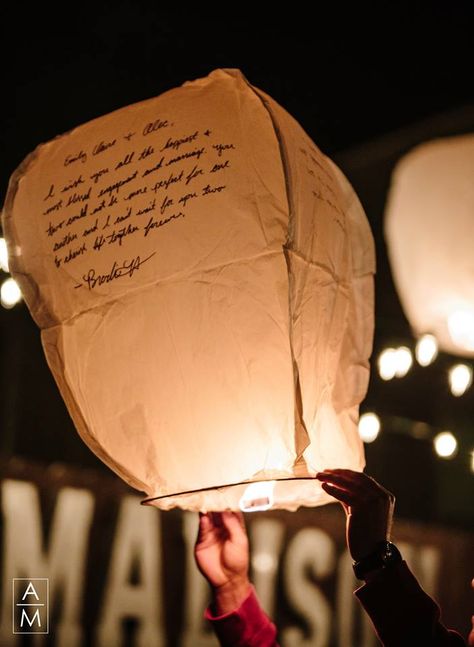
429 228
203 279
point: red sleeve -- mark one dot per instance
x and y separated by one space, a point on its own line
247 626
402 613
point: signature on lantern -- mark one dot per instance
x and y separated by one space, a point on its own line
127 268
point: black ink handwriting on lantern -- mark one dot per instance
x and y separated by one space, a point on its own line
167 202
98 174
155 224
117 271
220 148
186 197
207 190
103 146
154 126
54 207
196 172
72 184
125 161
76 157
50 193
197 152
219 167
175 144
172 179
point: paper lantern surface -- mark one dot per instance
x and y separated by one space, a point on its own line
429 228
203 279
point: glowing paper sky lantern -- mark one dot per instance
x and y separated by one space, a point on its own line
429 228
203 279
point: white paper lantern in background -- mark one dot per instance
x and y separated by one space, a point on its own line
429 227
203 279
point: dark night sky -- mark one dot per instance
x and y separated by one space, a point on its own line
348 76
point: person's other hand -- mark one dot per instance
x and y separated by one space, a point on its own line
368 506
222 555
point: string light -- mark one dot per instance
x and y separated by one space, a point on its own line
460 379
426 350
387 364
394 362
10 293
403 361
369 427
445 444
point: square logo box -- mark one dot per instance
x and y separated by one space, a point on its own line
30 605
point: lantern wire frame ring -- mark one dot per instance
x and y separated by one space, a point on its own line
227 485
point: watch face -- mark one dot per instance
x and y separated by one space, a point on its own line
392 553
385 554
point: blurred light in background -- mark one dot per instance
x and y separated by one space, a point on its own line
387 364
460 379
445 444
369 427
10 293
426 350
403 361
3 255
394 362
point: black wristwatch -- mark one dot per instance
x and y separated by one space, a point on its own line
384 555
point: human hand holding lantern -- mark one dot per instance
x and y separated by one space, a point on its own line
222 556
368 506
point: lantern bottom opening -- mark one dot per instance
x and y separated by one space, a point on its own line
249 496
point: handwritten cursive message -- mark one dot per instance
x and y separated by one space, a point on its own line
127 186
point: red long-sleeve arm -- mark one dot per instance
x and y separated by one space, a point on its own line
247 626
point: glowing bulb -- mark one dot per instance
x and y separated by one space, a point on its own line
460 379
258 496
369 427
3 255
472 461
387 364
403 361
10 293
426 350
461 328
445 444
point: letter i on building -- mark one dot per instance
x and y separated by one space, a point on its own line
30 605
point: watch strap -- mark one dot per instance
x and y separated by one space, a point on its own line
384 555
